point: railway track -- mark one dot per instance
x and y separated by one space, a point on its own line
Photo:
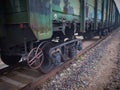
21 77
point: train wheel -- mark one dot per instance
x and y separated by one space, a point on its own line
35 58
47 64
10 60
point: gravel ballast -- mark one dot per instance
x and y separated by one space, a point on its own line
98 69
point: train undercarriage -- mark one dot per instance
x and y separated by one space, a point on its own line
44 55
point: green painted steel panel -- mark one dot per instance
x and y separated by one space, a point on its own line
66 9
105 10
58 16
99 11
82 12
17 18
90 10
91 2
37 13
100 5
66 6
41 18
113 14
14 6
108 13
90 6
16 11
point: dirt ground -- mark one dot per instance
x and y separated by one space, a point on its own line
103 74
106 67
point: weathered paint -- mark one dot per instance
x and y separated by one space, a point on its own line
82 19
108 13
117 18
90 5
37 13
41 18
66 9
16 11
66 6
90 9
99 10
104 11
113 14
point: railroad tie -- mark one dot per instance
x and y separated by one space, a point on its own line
13 82
24 76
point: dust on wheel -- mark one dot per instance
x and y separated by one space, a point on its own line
47 64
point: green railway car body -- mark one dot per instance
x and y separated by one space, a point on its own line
39 16
36 13
66 9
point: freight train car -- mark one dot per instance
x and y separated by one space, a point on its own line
41 32
99 17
